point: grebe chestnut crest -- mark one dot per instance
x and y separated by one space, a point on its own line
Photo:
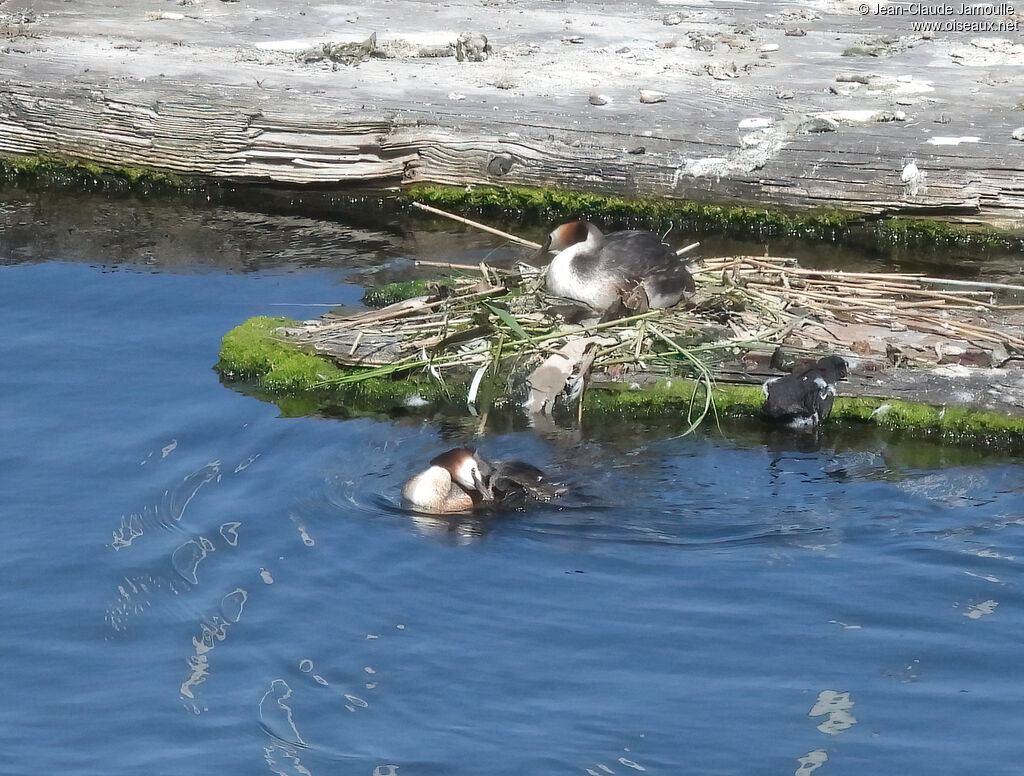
601 270
460 480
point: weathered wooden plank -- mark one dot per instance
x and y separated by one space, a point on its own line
221 92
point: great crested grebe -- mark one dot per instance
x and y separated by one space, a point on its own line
804 398
602 270
460 480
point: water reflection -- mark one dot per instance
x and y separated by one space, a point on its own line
276 715
367 234
139 593
168 512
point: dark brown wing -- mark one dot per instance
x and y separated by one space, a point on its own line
642 256
515 482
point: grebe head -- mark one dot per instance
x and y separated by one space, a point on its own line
468 470
834 367
569 234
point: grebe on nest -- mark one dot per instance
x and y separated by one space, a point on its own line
633 268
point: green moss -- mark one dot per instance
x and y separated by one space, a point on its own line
954 423
674 397
670 397
253 355
703 218
739 220
920 233
81 173
382 296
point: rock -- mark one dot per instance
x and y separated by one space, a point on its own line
572 39
784 96
649 96
1018 134
768 48
815 124
700 42
472 47
598 99
758 122
672 19
969 356
722 72
760 360
796 32
341 53
896 355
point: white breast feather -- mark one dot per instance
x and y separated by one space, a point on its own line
563 280
428 488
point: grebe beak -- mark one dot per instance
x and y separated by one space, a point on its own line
481 483
542 251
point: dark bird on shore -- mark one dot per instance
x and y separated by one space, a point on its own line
461 480
631 269
804 398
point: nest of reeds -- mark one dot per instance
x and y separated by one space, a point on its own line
499 324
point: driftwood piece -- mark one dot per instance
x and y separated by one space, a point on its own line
914 124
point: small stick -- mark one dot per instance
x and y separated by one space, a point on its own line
889 285
687 249
355 344
837 274
450 265
971 283
480 226
404 312
966 327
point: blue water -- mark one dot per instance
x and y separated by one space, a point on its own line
194 584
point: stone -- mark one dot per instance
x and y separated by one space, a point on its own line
649 96
472 47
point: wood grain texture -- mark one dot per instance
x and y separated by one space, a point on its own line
220 92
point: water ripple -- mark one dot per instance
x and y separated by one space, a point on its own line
169 512
275 715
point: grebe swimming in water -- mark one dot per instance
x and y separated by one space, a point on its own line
460 480
602 270
804 398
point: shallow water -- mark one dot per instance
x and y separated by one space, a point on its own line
194 584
